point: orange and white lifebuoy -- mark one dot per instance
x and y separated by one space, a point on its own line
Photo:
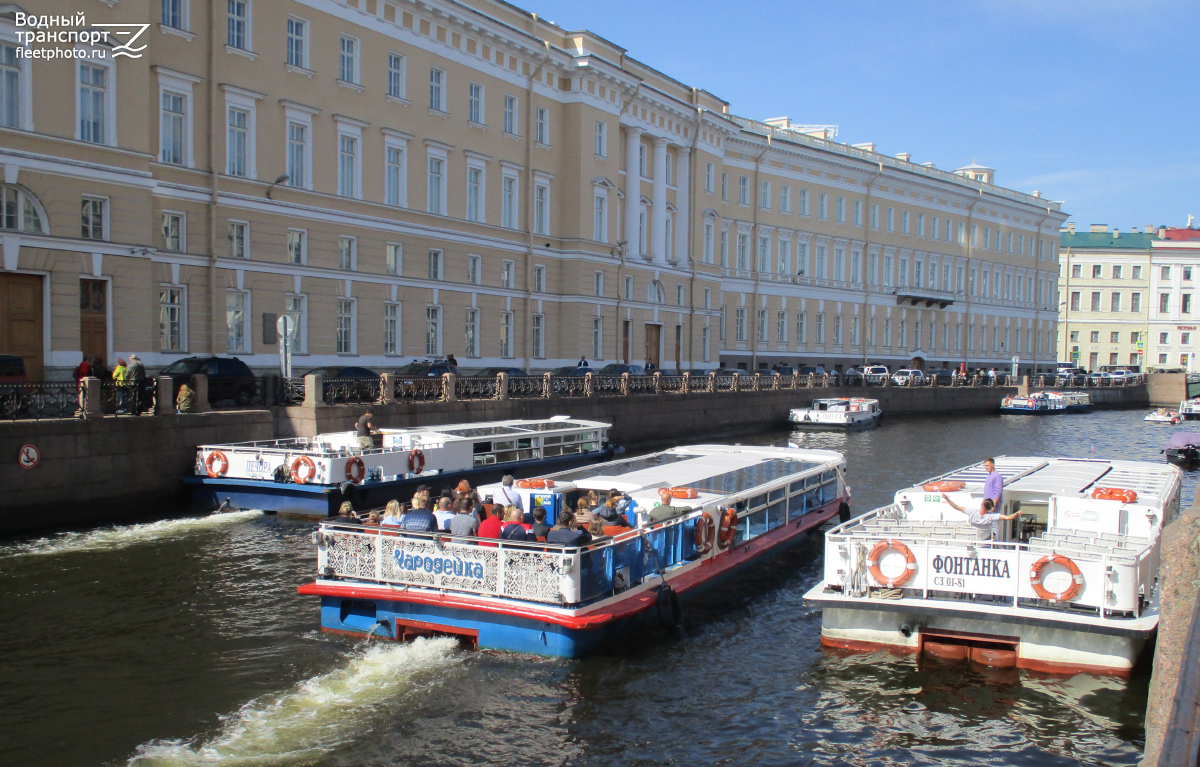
684 492
706 530
1115 494
356 470
910 563
304 470
728 528
535 484
943 486
1067 594
416 461
216 464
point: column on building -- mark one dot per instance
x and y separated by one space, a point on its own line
633 188
658 202
682 201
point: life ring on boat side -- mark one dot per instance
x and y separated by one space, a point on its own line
728 529
1114 494
356 470
303 477
910 563
684 492
416 461
705 532
1067 594
943 486
216 457
535 484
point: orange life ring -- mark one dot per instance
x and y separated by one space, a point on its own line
1115 494
728 529
910 563
1035 578
356 470
943 486
536 484
416 461
705 532
684 492
215 457
303 478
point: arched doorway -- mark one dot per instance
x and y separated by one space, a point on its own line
917 362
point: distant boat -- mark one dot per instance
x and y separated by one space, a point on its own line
1047 403
1183 449
1163 415
843 413
1189 409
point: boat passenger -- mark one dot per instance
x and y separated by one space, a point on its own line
985 520
664 510
373 517
993 486
391 514
540 529
464 522
422 492
624 504
609 514
513 529
420 520
346 513
597 530
464 490
567 531
507 496
491 527
365 427
583 512
444 513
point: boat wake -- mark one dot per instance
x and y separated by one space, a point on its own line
317 716
111 538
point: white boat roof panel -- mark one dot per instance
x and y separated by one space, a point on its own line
1061 477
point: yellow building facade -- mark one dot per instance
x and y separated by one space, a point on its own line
416 180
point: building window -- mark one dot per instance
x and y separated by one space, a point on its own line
510 115
598 338
743 251
506 320
1114 337
801 328
239 239
760 329
297 31
436 171
1164 338
170 318
1165 273
904 218
345 326
171 145
1116 271
764 253
539 341
475 194
600 218
506 274
601 138
237 142
391 328
1115 302
539 279
628 288
393 176
347 164
920 224
739 324
1095 301
643 170
298 246
1074 301
541 208
172 14
764 195
743 190
435 265
821 329
710 177
475 269
94 223
396 69
508 202
1186 306
238 25
471 333
10 87
707 253
1135 302
437 79
296 307
678 294
1094 337
395 258
598 284
858 213
781 327
433 330
841 210
173 232
347 253
1137 272
1096 271
235 321
823 206
1164 302
297 155
784 260
475 104
348 69
725 187
1187 274
542 134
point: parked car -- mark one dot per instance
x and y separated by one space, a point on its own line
811 370
908 377
942 377
876 375
492 372
731 372
426 369
852 377
229 379
347 384
1070 376
12 369
1124 375
618 368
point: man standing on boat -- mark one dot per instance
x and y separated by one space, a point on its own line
985 519
993 486
506 495
365 427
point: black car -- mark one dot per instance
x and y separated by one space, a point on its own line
942 377
426 369
571 370
619 368
343 385
229 379
410 379
492 372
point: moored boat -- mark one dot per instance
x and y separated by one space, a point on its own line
313 475
1162 415
837 413
1189 409
1183 449
738 506
1047 403
1071 584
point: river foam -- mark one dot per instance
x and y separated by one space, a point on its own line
110 538
315 717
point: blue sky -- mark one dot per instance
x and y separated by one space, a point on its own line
1093 102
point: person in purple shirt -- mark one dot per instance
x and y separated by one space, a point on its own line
993 486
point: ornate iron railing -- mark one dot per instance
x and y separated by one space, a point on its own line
352 391
127 398
672 384
526 387
477 388
418 389
607 385
33 401
289 391
641 385
569 386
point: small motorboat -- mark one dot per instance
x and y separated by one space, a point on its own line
1163 415
1183 449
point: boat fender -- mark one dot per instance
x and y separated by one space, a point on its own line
222 464
728 528
1067 594
669 609
303 470
356 470
705 532
843 512
944 486
416 461
910 563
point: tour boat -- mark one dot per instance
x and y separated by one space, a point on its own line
1189 409
1047 403
736 506
1183 449
1071 586
837 413
313 475
1163 415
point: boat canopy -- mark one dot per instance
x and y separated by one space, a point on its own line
1181 439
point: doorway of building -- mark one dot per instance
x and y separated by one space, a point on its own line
21 320
653 342
93 319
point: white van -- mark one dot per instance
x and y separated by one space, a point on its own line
875 374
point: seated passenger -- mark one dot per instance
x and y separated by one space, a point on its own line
583 512
391 514
464 490
540 528
596 530
419 520
608 512
567 531
491 527
665 510
346 513
464 522
373 517
444 513
513 529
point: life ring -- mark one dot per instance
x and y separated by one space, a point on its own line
416 461
943 486
536 484
1035 578
303 462
910 563
216 456
684 492
728 529
1115 494
705 532
356 470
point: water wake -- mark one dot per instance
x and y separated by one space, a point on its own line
315 717
110 538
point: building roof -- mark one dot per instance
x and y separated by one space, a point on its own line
1086 240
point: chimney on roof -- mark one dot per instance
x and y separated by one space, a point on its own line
1098 228
1036 193
1149 229
1071 227
1162 232
1116 233
1134 230
927 165
905 156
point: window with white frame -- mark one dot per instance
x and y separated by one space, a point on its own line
539 333
173 232
721 323
507 269
349 166
858 213
801 328
506 334
95 218
509 201
239 239
597 338
600 217
678 294
707 253
802 202
643 163
298 246
764 195
347 253
891 219
539 279
237 142
760 330
475 104
475 192
820 328
873 268
785 198
541 207
601 138
725 187
542 133
238 24
348 61
709 177
297 42
781 327
887 271
841 210
433 330
904 222
391 328
395 175
743 190
839 263
474 269
296 307
510 115
598 284
173 124
823 206
298 154
739 323
235 320
435 187
724 247
15 88
708 298
801 258
764 253
395 258
820 262
471 333
435 265
437 89
174 14
642 239
920 224
397 65
628 288
345 326
171 317
743 251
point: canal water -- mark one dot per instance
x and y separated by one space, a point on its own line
183 642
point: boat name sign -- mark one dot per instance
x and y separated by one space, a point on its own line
437 565
959 573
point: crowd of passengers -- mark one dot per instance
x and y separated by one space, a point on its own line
462 511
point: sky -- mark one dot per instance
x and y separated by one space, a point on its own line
1092 102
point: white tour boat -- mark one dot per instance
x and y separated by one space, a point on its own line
1071 585
737 505
837 413
314 475
1189 409
1047 403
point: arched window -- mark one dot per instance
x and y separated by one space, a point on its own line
20 211
655 293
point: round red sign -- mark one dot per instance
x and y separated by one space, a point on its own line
29 456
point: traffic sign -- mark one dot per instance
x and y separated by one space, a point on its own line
28 456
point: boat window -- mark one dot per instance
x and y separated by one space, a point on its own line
507 444
758 500
776 494
828 475
796 505
812 480
796 486
776 514
481 447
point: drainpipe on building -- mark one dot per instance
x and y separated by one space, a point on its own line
691 224
531 195
754 204
864 328
213 130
